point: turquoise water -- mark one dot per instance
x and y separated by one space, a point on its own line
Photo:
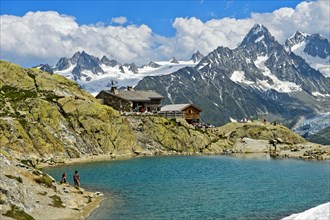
203 187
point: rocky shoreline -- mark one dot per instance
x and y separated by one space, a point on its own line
28 193
47 120
37 195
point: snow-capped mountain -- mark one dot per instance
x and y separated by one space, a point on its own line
95 74
258 78
313 48
45 67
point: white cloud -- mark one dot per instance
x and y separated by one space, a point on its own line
119 20
44 37
47 36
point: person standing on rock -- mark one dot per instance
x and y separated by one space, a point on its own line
63 180
76 180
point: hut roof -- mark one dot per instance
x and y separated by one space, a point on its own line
137 95
178 107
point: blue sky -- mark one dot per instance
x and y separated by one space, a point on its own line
34 32
158 15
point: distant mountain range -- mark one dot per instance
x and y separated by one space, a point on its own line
95 74
260 78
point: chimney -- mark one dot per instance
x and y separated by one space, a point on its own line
130 88
114 90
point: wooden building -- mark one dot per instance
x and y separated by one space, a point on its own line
130 100
189 111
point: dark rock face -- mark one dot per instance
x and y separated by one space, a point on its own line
297 38
315 44
88 62
173 60
196 57
75 57
153 64
83 61
132 67
121 68
321 137
45 67
269 81
62 64
108 62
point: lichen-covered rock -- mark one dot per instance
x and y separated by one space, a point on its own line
47 115
260 131
15 76
174 135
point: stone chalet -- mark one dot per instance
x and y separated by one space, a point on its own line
131 100
189 111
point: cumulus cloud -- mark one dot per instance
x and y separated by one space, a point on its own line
193 34
44 37
119 20
47 36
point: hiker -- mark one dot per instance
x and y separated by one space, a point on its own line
76 180
63 179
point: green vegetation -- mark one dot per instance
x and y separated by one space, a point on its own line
56 202
28 162
18 214
16 94
46 181
49 116
19 179
42 193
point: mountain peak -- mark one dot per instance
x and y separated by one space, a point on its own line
153 64
75 57
258 33
173 60
106 61
197 56
259 41
257 27
311 44
297 38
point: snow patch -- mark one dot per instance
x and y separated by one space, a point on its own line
320 94
239 77
322 65
232 120
278 85
67 72
94 83
259 39
320 212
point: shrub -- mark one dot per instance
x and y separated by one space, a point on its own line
19 179
57 202
17 213
46 181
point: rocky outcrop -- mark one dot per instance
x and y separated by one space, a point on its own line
44 115
47 116
157 135
28 193
262 131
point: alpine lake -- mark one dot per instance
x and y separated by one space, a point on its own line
203 187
